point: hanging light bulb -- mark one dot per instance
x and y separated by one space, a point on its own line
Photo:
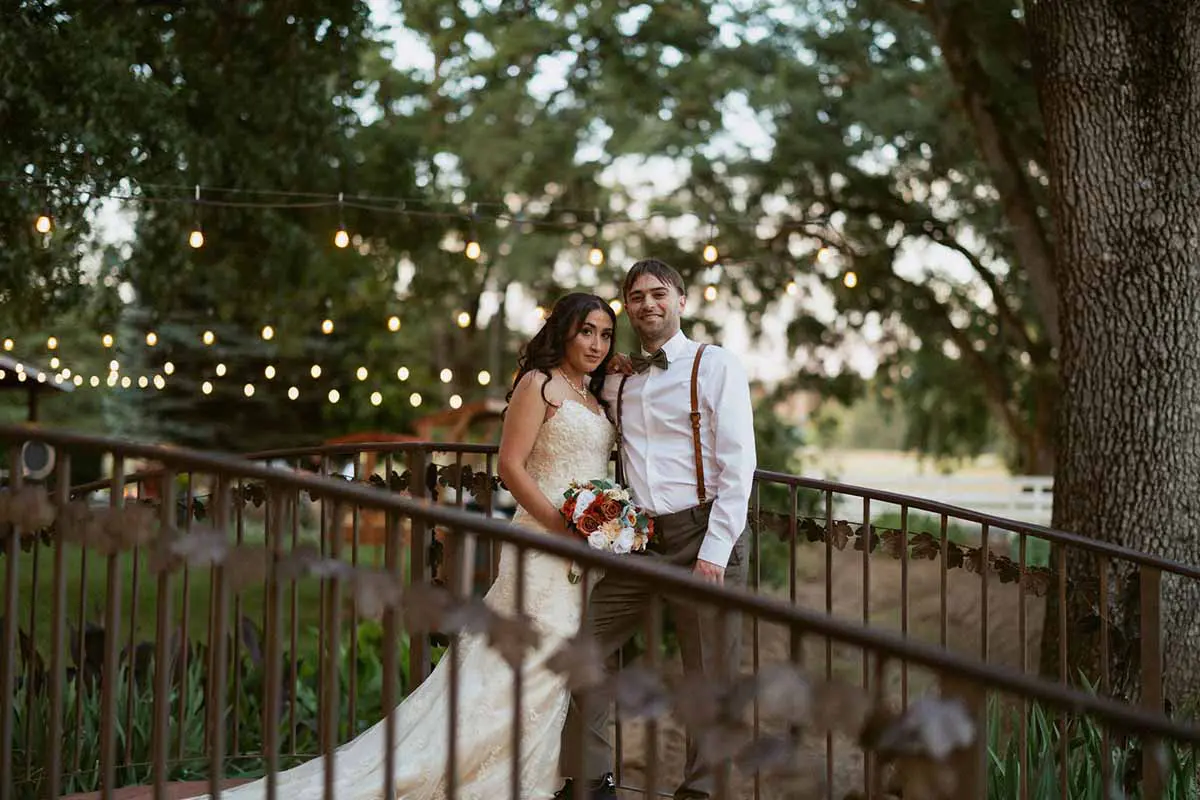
208 338
43 224
485 377
402 373
463 319
52 343
8 344
126 382
206 387
334 395
376 398
393 323
710 293
791 288
54 362
850 279
415 399
361 373
540 312
159 382
327 327
248 389
315 371
341 239
196 238
151 338
596 256
710 253
93 381
293 393
616 306
107 340
268 333
269 372
455 401
114 365
220 370
169 368
143 382
447 375
77 380
473 250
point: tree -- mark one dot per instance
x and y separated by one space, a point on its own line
1118 90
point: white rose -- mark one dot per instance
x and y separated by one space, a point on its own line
582 501
597 540
624 541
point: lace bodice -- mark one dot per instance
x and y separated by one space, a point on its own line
573 445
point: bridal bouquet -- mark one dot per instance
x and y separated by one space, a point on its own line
605 514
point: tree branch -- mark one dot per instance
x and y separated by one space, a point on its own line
1029 236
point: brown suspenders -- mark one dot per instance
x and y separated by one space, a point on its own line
701 492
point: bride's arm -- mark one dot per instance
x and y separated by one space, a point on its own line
522 421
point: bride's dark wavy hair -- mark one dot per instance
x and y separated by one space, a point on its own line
548 347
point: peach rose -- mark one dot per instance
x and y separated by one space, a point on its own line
588 524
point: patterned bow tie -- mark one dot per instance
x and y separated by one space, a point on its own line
642 363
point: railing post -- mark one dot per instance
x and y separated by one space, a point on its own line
1150 584
418 644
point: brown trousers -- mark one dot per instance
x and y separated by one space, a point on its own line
618 608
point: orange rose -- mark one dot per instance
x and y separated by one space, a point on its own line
610 509
588 524
568 509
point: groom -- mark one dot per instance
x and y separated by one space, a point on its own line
693 475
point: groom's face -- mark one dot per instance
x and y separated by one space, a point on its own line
654 309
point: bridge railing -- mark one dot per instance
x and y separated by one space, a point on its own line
94 595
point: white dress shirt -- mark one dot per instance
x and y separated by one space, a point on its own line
657 445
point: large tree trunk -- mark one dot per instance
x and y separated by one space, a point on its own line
1119 86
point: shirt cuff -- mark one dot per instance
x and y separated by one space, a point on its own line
715 550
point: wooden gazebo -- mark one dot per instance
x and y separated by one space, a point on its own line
18 375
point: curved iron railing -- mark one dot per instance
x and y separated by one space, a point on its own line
266 506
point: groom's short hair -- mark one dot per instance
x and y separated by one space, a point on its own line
658 269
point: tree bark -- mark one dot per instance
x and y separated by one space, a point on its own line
1119 88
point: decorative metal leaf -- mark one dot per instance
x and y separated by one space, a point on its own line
425 606
1037 581
893 542
200 547
513 637
924 545
973 559
840 534
640 693
1006 568
866 536
580 660
812 530
954 555
931 727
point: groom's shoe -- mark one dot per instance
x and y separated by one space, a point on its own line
597 790
605 787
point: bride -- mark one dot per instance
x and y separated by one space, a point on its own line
556 430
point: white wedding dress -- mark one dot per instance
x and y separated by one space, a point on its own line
574 444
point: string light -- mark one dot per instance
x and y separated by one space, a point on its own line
41 377
113 366
710 293
248 390
151 338
107 340
93 381
463 319
540 312
402 373
21 377
196 237
327 327
455 401
268 333
376 398
361 373
447 375
8 344
111 380
169 368
293 393
159 382
52 343
220 370
341 239
315 371
485 377
77 380
616 305
473 250
850 279
269 372
208 338
415 399
710 254
596 256
206 387
334 395
143 382
54 362
393 323
43 224
126 382
791 288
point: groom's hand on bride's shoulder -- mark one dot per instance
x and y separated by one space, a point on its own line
708 571
620 364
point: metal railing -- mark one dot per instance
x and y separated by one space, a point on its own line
233 574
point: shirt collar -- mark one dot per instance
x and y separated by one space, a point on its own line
675 347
